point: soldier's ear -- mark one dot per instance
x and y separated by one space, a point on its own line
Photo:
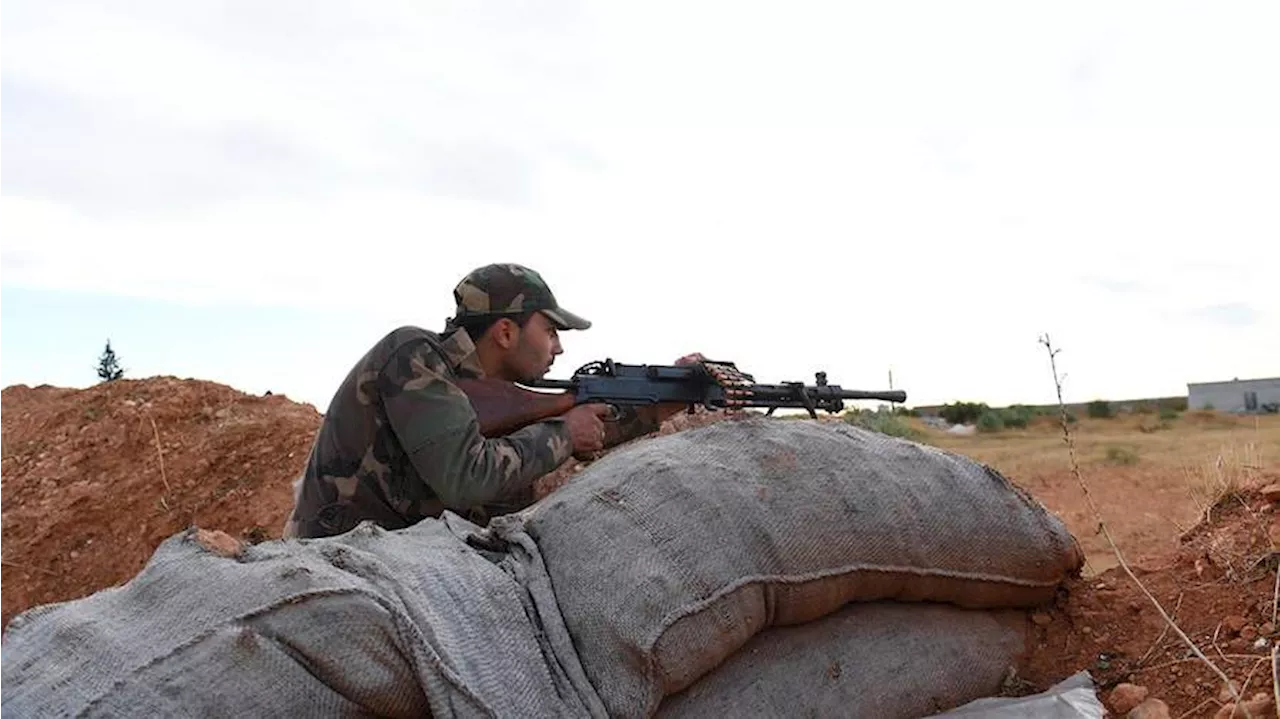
505 333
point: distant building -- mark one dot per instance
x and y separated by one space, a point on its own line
1238 395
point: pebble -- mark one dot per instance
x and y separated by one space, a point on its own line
219 542
1228 692
1150 709
1127 696
1257 706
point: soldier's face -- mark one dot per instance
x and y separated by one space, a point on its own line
535 351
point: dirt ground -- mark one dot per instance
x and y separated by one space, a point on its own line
1182 501
94 479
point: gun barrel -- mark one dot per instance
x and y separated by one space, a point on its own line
896 395
822 393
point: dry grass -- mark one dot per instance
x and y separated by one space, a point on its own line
1221 477
1243 441
1150 486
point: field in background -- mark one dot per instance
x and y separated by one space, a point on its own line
1152 478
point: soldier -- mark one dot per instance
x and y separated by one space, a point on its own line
400 442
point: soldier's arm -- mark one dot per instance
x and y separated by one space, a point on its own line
437 426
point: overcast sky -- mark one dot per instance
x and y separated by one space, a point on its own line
252 192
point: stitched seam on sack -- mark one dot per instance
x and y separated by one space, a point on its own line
397 618
694 608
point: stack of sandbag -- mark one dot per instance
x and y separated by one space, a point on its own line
670 556
411 623
748 568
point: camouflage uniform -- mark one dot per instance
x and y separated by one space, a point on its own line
400 442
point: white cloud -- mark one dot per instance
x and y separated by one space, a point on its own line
848 187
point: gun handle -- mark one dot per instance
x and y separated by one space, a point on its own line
502 407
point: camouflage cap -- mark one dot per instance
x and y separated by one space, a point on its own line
508 289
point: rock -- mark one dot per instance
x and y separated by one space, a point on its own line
1259 706
1271 492
1126 696
1041 619
1227 693
1150 709
1267 629
219 542
1249 633
1234 623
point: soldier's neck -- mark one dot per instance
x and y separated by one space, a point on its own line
490 357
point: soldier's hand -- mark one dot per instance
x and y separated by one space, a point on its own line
585 426
692 358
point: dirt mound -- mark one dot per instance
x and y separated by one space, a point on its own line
1219 588
95 479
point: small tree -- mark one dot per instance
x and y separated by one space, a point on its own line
109 365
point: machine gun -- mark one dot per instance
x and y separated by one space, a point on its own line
503 407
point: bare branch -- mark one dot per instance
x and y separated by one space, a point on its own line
1102 525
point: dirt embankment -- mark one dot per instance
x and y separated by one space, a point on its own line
1219 589
95 479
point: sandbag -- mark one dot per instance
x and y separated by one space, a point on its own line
409 623
870 659
668 555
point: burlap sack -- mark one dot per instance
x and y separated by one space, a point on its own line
669 555
410 623
870 659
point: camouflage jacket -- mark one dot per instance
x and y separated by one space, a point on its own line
400 442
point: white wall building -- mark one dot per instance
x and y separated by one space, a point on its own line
1237 395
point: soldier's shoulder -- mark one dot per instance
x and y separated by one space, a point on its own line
400 342
406 334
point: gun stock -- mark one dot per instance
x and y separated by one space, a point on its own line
502 407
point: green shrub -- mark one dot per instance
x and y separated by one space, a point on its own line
963 412
1100 409
888 423
1018 415
1121 455
990 421
1168 414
